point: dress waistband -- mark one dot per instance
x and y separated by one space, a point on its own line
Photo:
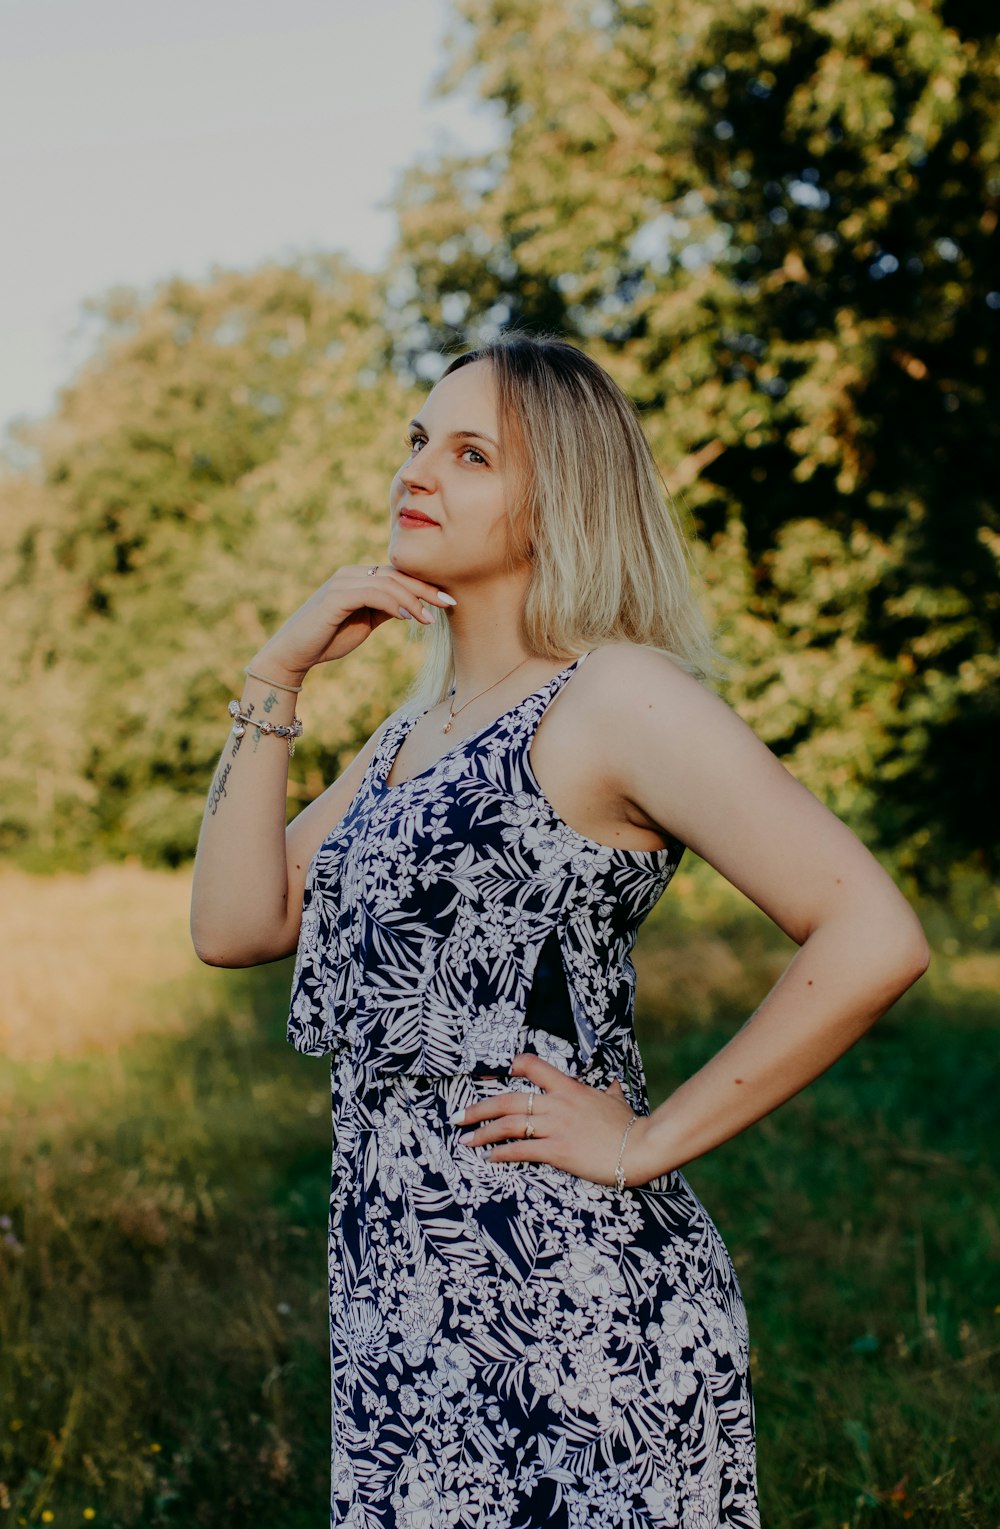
599 1071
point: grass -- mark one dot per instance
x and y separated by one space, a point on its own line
163 1330
163 1319
862 1221
91 962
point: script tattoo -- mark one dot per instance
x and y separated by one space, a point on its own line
269 704
218 790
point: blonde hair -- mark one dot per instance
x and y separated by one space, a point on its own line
592 514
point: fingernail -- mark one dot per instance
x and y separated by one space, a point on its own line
428 613
467 1137
448 599
404 612
457 1120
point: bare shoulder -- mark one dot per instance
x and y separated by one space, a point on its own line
635 708
662 735
682 758
624 678
629 696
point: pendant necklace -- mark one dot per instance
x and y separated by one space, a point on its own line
453 711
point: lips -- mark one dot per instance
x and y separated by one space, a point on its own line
417 515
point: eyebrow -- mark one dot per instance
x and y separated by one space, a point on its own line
458 435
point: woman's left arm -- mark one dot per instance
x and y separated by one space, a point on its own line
693 766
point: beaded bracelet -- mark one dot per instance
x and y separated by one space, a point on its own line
619 1171
242 720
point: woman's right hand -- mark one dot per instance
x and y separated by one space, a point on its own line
342 613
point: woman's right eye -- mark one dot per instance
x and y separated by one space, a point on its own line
413 441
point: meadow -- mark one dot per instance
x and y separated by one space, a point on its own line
164 1162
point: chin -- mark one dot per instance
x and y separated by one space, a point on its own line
405 563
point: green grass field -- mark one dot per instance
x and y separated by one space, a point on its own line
162 1261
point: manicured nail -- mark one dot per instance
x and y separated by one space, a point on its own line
428 614
448 599
457 1120
404 612
467 1137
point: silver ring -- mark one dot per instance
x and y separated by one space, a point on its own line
373 569
529 1129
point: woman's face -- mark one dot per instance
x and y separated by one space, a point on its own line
455 477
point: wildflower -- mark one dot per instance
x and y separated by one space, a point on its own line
48 1516
89 1513
155 1448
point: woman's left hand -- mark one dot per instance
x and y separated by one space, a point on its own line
577 1127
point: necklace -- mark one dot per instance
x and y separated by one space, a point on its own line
453 710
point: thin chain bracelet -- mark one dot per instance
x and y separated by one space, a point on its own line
619 1171
242 720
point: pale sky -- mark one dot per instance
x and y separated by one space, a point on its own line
139 141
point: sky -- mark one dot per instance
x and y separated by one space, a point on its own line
140 141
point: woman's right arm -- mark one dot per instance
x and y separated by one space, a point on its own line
249 873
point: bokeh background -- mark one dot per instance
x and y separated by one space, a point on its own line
241 241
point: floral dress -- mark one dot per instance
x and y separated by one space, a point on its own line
512 1346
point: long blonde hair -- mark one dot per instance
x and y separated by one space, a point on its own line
610 561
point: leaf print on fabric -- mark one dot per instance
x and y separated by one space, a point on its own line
511 1346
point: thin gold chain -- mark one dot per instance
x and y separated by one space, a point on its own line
453 711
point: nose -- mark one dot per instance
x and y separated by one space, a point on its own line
415 475
415 482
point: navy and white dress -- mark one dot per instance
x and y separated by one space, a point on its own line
511 1345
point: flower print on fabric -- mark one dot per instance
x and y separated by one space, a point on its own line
511 1346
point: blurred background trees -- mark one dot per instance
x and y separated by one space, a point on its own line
775 225
229 446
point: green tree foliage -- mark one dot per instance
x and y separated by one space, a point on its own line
775 224
229 445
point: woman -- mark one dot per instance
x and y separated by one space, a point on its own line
534 1320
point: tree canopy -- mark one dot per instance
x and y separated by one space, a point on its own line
774 223
228 447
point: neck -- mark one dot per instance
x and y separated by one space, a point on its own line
485 634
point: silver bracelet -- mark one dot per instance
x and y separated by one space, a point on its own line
619 1171
242 720
275 684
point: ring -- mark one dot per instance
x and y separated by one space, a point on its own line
531 1102
373 569
529 1129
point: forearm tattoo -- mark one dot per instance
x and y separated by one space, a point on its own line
270 701
218 790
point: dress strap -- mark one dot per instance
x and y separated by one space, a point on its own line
548 692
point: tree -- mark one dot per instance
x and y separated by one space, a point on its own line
228 446
776 225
